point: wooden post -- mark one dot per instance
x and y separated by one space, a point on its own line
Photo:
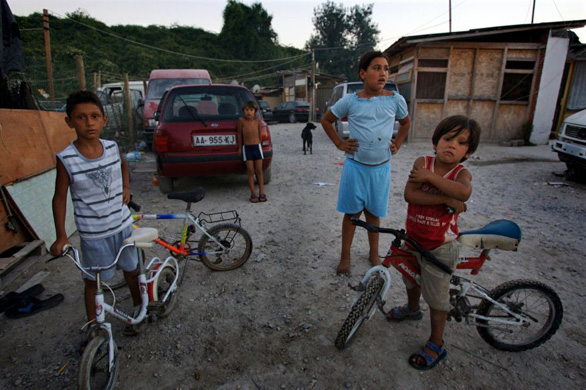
95 77
313 116
128 102
48 54
80 71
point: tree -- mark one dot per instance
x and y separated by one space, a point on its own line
341 36
247 31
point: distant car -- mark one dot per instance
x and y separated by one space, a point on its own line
267 113
196 133
292 112
344 89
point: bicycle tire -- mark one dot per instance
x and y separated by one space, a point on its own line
160 287
535 301
235 238
360 311
93 368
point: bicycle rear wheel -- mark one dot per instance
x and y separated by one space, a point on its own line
94 372
235 239
535 302
360 311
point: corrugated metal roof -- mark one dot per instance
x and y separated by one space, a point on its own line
405 42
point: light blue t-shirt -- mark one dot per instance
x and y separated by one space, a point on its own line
371 122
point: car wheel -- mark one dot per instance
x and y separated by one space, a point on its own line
165 184
266 175
292 118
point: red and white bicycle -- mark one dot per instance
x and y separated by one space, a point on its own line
515 316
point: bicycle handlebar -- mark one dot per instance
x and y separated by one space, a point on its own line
401 235
72 252
133 205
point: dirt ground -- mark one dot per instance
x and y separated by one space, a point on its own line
272 323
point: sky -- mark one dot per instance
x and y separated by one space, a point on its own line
292 20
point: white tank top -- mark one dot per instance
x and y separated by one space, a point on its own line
96 191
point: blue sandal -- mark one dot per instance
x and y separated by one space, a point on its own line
430 361
401 313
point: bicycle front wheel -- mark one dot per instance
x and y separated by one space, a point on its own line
94 372
535 302
360 311
237 244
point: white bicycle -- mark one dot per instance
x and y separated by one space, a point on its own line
158 289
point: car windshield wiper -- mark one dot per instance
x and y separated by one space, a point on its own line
194 114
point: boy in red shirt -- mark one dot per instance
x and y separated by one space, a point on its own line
436 183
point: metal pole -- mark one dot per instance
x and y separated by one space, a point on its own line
533 12
48 54
450 5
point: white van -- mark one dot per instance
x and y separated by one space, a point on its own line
344 89
570 145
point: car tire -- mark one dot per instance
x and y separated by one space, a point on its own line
266 175
292 118
165 184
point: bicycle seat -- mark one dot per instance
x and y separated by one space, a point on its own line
191 196
142 237
501 234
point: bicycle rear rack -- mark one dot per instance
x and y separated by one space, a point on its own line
222 216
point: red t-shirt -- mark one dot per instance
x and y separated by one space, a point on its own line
432 226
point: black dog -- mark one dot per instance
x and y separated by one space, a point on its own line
307 137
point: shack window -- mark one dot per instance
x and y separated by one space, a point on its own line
431 85
517 80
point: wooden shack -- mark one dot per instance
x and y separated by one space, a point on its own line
508 78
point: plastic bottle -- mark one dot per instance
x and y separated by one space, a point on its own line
133 156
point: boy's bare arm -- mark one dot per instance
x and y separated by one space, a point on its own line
460 189
259 131
414 195
125 180
404 125
60 209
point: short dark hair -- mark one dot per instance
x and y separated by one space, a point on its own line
367 58
250 104
459 123
79 97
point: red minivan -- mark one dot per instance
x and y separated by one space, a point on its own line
162 80
196 133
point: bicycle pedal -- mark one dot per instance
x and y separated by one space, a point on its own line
155 307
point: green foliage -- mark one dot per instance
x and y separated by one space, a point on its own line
111 51
341 36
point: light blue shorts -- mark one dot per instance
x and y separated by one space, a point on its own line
103 251
364 187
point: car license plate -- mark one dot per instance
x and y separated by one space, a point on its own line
214 140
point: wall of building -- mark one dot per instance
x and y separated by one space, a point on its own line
551 77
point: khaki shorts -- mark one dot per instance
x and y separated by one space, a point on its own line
435 283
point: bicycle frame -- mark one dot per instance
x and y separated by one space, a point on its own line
154 267
181 248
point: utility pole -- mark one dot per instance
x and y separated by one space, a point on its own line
533 12
450 5
48 54
313 118
80 71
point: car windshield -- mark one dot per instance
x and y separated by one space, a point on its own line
359 86
204 103
158 86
